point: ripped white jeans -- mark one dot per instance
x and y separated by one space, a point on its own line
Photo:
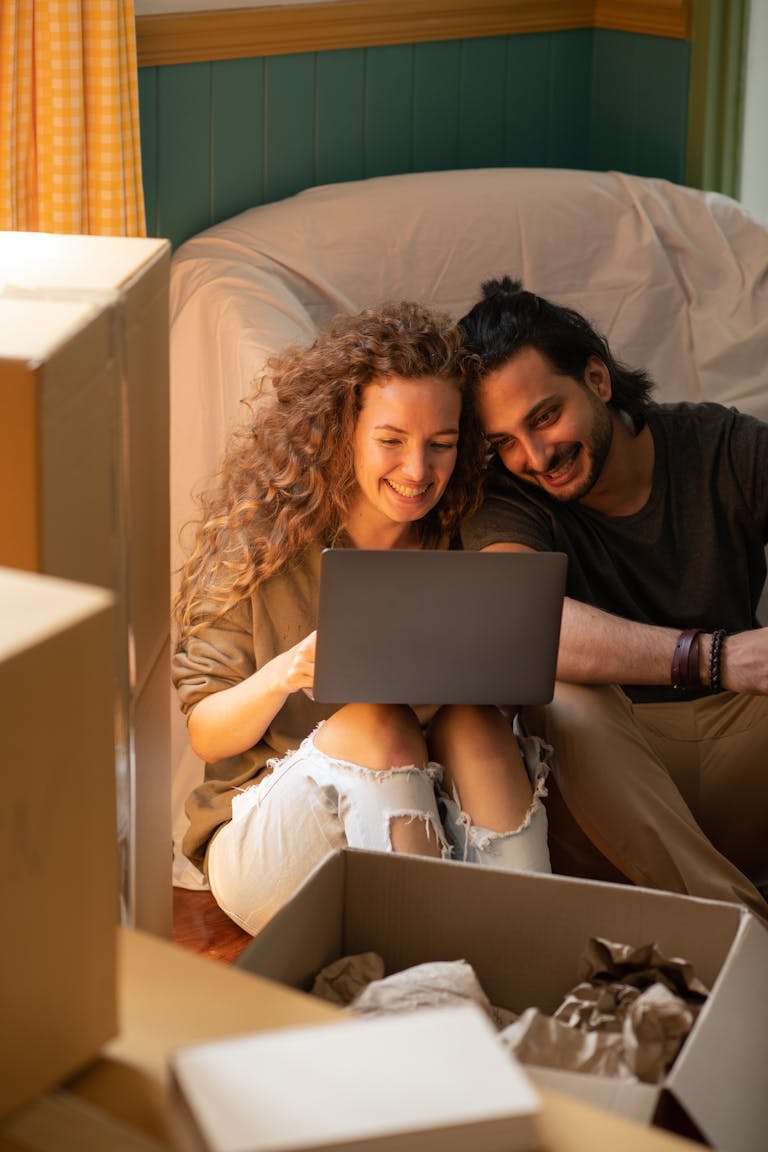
312 804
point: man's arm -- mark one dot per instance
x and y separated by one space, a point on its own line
599 648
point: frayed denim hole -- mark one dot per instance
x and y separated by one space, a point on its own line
433 828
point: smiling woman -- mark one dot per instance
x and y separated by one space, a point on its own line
369 442
404 449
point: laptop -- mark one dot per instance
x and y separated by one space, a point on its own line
438 627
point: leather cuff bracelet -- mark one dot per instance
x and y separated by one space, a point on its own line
685 660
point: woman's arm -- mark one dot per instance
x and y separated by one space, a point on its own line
232 720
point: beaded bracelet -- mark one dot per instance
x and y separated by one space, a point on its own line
718 636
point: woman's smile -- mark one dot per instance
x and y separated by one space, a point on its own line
408 491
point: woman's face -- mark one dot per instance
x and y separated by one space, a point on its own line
404 449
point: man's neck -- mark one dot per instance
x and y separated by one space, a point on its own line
624 485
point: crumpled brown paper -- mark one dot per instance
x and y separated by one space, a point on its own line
628 1016
536 1038
434 984
359 983
346 977
640 966
653 1033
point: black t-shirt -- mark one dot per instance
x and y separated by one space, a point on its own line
694 556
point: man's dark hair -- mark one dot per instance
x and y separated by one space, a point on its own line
508 319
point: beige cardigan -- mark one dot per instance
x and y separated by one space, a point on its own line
282 611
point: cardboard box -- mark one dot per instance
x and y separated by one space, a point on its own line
524 935
84 447
58 844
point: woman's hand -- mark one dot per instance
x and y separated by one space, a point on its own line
229 722
294 669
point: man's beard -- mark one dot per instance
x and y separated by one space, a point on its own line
597 445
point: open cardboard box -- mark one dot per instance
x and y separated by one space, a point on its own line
84 480
524 935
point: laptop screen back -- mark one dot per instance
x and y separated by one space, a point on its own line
438 627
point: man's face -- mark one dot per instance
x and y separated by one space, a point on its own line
549 430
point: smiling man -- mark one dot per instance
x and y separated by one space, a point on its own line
660 718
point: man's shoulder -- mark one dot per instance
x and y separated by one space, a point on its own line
696 412
705 425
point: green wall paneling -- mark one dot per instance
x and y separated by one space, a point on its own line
237 101
289 124
389 110
220 137
340 116
612 99
184 150
481 102
569 107
661 107
527 99
547 99
436 75
148 130
639 104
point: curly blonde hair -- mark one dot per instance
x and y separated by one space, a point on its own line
287 479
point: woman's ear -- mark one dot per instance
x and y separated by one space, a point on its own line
598 378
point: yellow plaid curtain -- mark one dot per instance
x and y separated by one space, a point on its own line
70 158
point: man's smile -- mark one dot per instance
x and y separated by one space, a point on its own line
561 467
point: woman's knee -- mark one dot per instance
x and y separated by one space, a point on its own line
376 736
472 726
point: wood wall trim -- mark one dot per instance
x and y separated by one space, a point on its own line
182 38
670 18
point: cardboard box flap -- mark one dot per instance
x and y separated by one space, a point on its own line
539 923
292 949
476 915
33 330
638 1101
36 261
720 1076
34 610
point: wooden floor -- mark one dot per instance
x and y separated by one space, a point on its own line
200 925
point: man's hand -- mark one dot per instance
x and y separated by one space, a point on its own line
744 662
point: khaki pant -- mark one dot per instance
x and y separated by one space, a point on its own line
670 796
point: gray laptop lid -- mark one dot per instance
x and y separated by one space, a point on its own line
438 627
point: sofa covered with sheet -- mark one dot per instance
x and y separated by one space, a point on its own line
675 278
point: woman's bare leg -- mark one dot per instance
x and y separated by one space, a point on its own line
482 763
382 737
